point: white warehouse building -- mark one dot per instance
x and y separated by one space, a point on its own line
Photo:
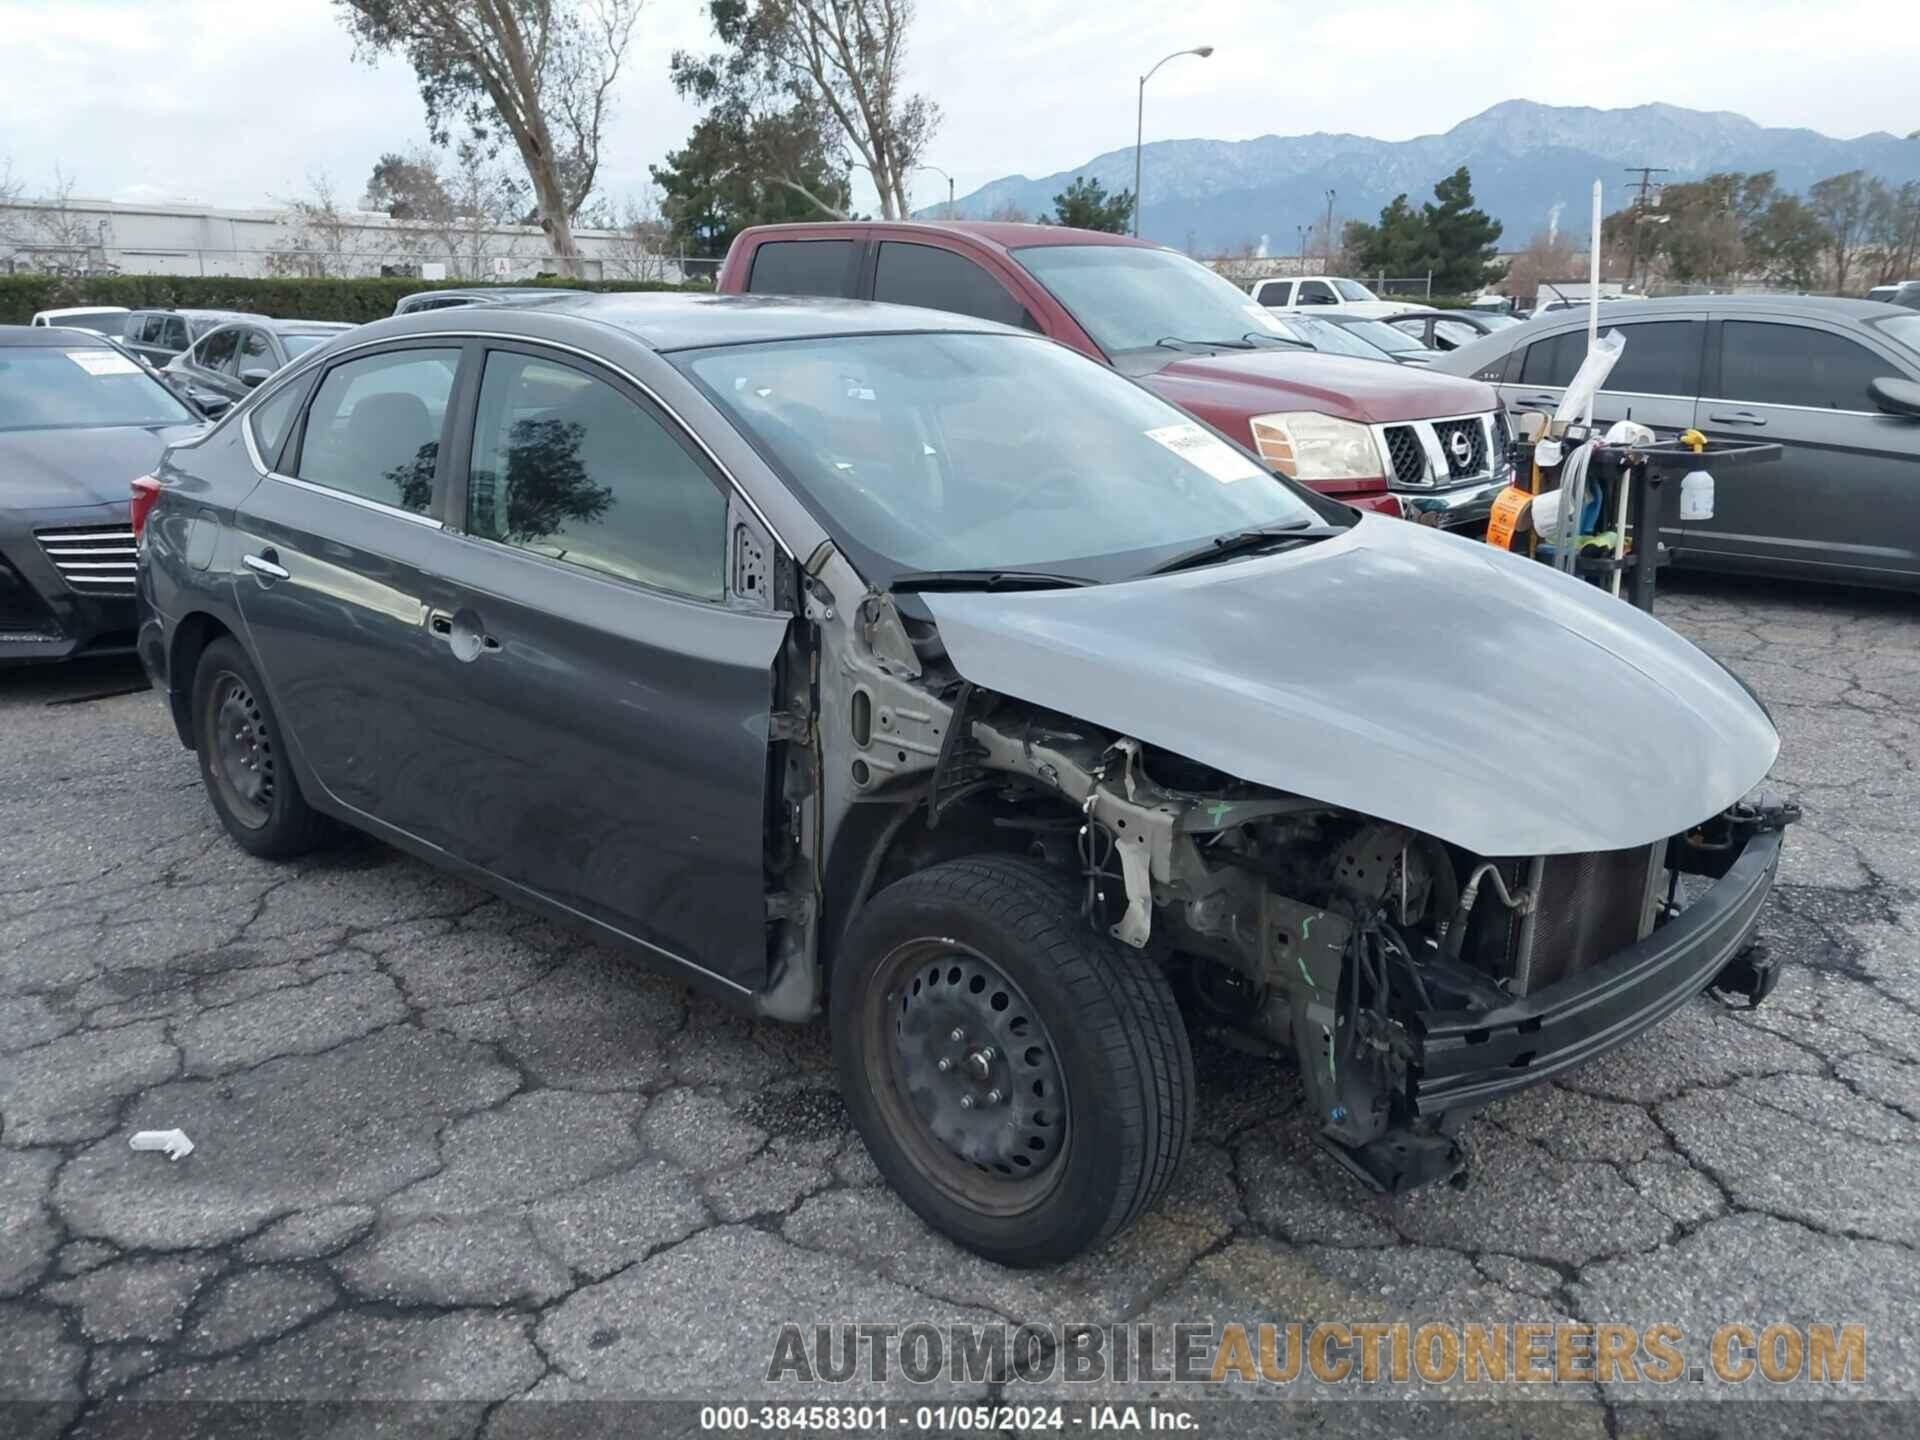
91 237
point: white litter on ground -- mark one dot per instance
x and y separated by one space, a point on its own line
174 1142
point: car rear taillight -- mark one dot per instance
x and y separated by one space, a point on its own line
146 490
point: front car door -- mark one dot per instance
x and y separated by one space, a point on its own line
595 709
910 273
258 358
209 364
1843 501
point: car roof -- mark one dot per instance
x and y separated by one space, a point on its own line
679 320
86 310
488 291
51 337
307 327
995 234
1813 306
194 314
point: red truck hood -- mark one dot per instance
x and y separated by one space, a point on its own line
1228 389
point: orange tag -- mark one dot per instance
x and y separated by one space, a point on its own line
1508 507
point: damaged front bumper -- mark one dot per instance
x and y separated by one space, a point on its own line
1465 1059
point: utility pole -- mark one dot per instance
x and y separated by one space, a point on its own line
1646 174
1303 249
1329 265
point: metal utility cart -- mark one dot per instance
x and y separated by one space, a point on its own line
1639 489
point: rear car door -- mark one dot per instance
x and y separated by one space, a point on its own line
334 578
1843 501
805 267
596 698
209 364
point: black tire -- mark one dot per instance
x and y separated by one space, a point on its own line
273 819
1109 1032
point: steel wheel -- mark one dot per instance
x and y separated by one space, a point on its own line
966 1076
240 746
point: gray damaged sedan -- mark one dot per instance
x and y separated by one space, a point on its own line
900 666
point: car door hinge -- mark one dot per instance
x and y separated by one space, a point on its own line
785 905
789 725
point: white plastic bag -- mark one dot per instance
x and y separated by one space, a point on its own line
1588 379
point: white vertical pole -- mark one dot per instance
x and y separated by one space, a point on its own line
1593 289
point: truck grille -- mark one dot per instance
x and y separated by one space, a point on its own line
1464 444
1426 453
97 560
1409 460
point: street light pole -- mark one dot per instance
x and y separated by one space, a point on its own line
949 187
1329 235
938 171
1140 125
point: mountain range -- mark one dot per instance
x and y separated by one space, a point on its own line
1530 162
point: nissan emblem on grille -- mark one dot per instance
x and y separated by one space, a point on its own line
1461 446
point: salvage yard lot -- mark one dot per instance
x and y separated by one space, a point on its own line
445 1150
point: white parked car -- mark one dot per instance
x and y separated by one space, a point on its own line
1310 292
101 319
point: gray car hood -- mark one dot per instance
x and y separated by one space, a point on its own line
1416 677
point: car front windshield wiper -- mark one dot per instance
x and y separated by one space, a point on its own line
984 578
1243 542
1286 340
1175 342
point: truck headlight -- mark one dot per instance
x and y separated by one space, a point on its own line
1306 445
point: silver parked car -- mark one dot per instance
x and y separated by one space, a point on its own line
1835 382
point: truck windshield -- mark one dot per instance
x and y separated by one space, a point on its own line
945 451
48 388
1131 297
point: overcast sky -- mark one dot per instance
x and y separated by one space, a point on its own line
235 102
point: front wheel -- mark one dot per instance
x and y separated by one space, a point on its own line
1022 1081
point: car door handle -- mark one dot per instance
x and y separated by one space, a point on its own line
1738 417
266 565
463 634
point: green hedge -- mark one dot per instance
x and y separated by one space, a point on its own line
356 300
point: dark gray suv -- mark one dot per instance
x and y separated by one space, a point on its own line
227 362
1835 382
917 669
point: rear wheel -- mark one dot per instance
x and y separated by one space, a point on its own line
243 760
1023 1082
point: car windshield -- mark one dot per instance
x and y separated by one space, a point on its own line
988 452
43 388
1131 297
1382 336
1332 339
1902 330
1353 290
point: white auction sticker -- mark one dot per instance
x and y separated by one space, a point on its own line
103 362
1208 452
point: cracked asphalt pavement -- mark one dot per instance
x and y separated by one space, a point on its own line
448 1151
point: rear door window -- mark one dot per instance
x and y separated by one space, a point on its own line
1771 364
941 280
373 429
802 267
1662 357
173 332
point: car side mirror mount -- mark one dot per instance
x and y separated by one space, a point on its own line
1896 397
251 378
212 405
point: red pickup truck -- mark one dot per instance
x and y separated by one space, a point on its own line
1380 436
